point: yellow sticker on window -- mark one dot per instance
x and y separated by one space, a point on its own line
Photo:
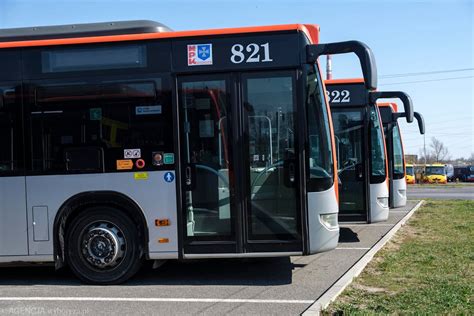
141 175
124 164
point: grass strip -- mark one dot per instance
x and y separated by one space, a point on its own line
427 268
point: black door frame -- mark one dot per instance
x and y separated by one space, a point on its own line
366 165
206 246
272 244
238 206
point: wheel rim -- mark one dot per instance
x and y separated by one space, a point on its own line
103 245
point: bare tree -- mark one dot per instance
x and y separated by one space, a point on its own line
471 159
438 150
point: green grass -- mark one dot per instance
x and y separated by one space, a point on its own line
427 268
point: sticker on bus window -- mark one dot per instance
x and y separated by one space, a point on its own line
124 164
95 114
206 128
169 177
157 158
199 54
140 176
168 158
148 110
132 153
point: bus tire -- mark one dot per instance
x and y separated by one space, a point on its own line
102 246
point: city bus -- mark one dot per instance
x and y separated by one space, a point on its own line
435 173
463 173
410 176
394 143
470 174
127 141
360 150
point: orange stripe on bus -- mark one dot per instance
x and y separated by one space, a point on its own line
344 81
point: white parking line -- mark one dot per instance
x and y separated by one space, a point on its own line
154 300
352 248
370 225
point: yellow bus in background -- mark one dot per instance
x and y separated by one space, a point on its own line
435 173
410 174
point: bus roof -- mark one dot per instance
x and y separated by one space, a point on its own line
392 105
81 30
311 31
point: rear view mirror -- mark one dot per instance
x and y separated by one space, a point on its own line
363 52
421 122
405 98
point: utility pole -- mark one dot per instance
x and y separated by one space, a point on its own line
328 67
424 146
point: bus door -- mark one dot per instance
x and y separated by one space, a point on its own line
238 163
350 137
13 226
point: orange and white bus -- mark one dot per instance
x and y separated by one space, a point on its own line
361 152
126 141
396 157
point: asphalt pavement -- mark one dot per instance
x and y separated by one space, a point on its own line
462 191
284 286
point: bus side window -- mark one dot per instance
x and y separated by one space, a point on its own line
10 131
86 128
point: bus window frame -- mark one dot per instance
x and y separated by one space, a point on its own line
312 184
30 105
376 179
397 176
19 139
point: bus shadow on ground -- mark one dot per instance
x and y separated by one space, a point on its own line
348 235
250 272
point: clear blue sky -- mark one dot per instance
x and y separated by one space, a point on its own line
406 37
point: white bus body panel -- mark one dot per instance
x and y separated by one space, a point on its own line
322 238
13 227
155 196
378 213
399 192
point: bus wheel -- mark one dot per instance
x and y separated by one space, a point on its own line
103 246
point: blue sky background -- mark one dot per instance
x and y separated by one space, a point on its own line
407 37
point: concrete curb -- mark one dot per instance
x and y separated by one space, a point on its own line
336 289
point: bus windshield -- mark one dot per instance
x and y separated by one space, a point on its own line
435 170
398 172
377 145
471 169
320 150
410 170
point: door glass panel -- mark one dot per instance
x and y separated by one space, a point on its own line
205 108
398 171
348 132
269 112
377 149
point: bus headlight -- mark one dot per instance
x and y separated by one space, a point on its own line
383 201
329 220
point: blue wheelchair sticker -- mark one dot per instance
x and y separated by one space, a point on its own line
169 177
